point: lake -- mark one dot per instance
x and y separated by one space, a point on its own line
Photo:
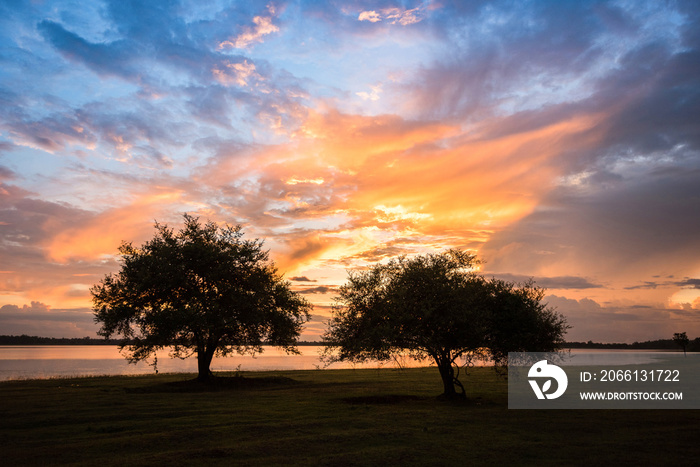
47 361
50 361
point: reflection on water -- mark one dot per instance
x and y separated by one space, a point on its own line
44 361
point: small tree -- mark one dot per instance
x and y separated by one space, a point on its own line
681 339
436 306
203 290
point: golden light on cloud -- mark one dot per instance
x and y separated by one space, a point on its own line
398 213
297 181
470 183
346 141
685 298
372 181
101 235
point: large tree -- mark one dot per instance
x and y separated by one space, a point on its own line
203 290
436 306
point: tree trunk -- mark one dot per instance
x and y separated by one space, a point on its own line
204 358
449 381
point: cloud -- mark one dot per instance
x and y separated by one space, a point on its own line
401 177
316 326
370 15
690 283
236 73
624 322
51 134
393 15
686 283
100 235
160 63
382 252
27 225
6 174
558 282
604 230
38 319
321 289
251 35
300 249
115 58
373 95
301 279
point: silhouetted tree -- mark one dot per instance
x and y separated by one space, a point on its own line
681 339
203 290
436 306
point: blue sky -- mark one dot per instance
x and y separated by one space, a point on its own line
557 140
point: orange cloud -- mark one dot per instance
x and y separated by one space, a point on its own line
347 185
101 235
347 141
429 175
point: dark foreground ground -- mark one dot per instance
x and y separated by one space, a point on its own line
327 417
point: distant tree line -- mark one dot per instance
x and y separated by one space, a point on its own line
36 340
659 344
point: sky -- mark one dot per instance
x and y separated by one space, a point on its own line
557 140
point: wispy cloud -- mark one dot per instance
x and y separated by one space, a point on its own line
250 35
394 15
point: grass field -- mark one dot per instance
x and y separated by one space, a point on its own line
327 417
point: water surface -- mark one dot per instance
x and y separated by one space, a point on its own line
50 361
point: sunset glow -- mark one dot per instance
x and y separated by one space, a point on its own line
557 140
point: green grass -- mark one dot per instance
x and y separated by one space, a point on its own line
328 417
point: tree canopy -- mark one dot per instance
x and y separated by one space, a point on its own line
203 290
436 306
